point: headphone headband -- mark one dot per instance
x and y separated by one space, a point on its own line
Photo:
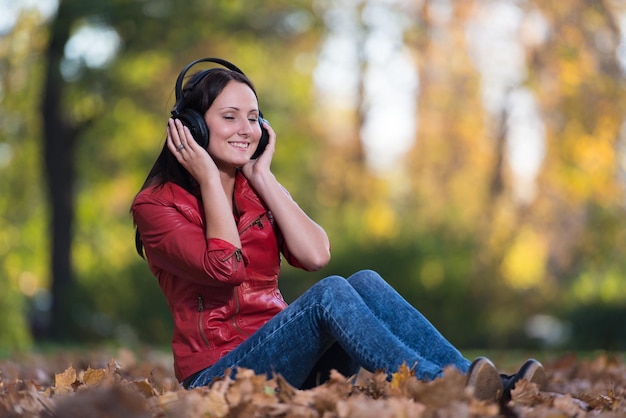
179 81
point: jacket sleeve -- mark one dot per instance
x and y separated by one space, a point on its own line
174 241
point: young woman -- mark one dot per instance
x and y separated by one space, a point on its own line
213 223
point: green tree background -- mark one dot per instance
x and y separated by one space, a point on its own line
494 256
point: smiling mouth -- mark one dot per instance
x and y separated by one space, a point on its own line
240 145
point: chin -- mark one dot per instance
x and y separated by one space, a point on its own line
240 162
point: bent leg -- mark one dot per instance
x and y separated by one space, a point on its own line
406 322
293 341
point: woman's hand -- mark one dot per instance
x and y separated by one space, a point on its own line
188 152
263 162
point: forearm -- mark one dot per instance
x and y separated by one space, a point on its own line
305 239
220 222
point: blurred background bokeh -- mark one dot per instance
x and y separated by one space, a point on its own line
473 152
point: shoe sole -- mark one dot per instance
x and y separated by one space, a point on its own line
534 372
484 380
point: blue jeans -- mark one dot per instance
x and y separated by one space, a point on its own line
344 325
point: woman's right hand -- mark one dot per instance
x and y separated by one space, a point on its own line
188 152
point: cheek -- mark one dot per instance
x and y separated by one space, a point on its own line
219 132
257 131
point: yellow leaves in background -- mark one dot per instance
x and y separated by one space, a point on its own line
590 161
381 222
524 264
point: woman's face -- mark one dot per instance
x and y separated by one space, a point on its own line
233 121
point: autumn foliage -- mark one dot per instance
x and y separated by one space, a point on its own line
147 388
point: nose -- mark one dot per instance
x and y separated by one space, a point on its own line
245 128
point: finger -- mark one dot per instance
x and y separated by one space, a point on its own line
187 139
169 140
177 135
182 132
173 138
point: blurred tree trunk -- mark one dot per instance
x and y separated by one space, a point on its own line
59 139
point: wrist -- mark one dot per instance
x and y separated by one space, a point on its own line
262 179
209 182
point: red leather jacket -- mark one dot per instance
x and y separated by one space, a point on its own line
218 294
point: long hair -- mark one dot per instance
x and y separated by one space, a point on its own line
199 93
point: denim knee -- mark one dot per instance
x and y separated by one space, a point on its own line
363 278
330 282
331 288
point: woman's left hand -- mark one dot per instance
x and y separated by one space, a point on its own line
262 164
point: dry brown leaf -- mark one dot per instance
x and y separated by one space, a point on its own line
373 384
63 390
361 406
440 392
325 397
568 405
399 378
103 402
167 398
144 387
406 408
284 391
65 379
600 401
113 367
200 402
93 376
479 408
525 393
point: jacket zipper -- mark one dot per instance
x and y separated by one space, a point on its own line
201 311
258 222
238 255
234 320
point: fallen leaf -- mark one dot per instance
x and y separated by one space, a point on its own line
66 378
94 376
144 387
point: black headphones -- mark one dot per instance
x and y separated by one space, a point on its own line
193 120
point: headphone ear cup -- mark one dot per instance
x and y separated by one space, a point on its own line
265 137
196 124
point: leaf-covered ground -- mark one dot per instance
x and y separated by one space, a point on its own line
142 385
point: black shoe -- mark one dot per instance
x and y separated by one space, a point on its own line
532 371
484 380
